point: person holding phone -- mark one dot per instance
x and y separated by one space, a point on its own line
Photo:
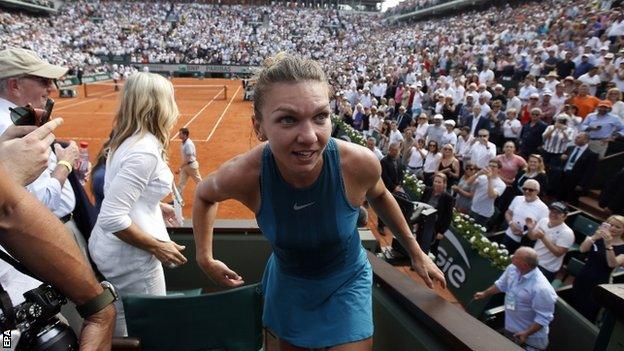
27 79
605 251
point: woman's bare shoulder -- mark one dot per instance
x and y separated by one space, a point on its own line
237 177
358 162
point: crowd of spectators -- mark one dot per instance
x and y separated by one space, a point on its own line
413 5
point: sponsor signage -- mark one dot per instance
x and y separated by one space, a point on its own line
465 271
158 67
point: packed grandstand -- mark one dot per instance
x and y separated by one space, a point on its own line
522 99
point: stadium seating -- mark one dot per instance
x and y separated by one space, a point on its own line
229 320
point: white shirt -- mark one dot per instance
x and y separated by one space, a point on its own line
432 161
463 146
591 81
480 155
560 235
509 126
137 178
482 203
514 102
395 137
59 200
522 209
449 138
416 160
188 151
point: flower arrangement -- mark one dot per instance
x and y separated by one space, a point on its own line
354 135
466 226
413 186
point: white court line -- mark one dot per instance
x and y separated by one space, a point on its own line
197 114
223 114
84 101
103 139
112 114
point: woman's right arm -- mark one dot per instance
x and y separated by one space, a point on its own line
124 191
233 180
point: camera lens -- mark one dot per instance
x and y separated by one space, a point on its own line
54 336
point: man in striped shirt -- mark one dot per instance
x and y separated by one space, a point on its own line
556 138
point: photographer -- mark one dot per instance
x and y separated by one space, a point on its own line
26 79
42 244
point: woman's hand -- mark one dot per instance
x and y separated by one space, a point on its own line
220 273
169 253
169 215
427 270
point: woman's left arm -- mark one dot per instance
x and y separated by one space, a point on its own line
612 260
388 210
455 169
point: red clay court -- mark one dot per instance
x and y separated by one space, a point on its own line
219 124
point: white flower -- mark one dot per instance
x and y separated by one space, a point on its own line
473 239
486 250
495 245
504 252
484 239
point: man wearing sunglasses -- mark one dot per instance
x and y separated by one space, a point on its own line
523 212
25 79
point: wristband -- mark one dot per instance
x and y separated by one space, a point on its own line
66 164
98 303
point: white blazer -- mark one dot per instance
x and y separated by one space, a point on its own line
137 178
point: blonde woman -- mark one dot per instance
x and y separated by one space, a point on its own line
615 96
130 243
605 251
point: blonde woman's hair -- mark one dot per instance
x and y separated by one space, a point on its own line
540 163
285 68
618 218
617 91
147 106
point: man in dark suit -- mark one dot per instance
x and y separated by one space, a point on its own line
392 169
403 119
392 175
476 121
437 196
579 165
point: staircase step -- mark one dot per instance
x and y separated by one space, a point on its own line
589 204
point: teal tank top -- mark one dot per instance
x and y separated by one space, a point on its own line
317 283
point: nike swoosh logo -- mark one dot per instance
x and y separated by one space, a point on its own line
297 207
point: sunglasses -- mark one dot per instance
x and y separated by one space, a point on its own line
529 190
483 136
493 165
46 82
470 168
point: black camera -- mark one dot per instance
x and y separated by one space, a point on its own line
30 116
35 321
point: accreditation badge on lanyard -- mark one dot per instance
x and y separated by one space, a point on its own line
510 301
